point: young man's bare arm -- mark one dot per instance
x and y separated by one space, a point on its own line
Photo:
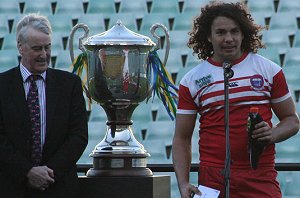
181 152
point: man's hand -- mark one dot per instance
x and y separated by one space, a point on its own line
263 133
189 190
40 177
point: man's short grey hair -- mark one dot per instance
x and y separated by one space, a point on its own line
35 21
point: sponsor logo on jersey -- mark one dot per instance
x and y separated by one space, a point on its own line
233 84
257 82
204 81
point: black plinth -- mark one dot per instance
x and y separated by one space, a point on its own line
157 186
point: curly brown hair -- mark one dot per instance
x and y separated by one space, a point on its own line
235 11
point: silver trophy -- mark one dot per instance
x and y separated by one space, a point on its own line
117 79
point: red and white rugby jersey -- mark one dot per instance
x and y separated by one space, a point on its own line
257 81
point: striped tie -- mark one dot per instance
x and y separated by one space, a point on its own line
34 115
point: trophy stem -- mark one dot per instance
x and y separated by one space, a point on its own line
119 153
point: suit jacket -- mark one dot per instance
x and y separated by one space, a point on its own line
66 134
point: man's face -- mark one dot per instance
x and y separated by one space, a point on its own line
36 51
226 39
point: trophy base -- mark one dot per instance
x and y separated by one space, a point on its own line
116 165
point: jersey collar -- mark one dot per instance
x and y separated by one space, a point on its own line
244 55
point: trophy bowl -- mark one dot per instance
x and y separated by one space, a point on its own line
117 79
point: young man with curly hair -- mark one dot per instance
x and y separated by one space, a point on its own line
226 32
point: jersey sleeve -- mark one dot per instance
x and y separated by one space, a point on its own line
186 104
280 90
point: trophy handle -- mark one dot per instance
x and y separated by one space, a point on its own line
71 48
74 29
158 44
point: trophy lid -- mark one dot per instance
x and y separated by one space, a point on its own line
118 35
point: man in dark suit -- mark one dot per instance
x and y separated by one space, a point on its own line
57 130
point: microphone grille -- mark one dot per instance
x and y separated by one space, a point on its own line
226 64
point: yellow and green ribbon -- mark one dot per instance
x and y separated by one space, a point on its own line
162 83
79 65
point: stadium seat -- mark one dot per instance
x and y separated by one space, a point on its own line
56 43
289 6
292 187
162 114
169 7
16 19
155 104
139 8
288 151
193 6
175 60
4 28
276 39
296 42
174 186
150 19
295 97
142 114
292 58
139 128
279 21
73 8
270 53
8 59
10 8
157 152
43 7
181 73
61 23
282 178
98 114
105 7
259 18
96 134
127 19
292 76
179 40
192 60
9 42
97 130
95 22
161 130
184 21
63 61
266 7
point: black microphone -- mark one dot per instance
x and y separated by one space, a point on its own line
226 65
228 72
